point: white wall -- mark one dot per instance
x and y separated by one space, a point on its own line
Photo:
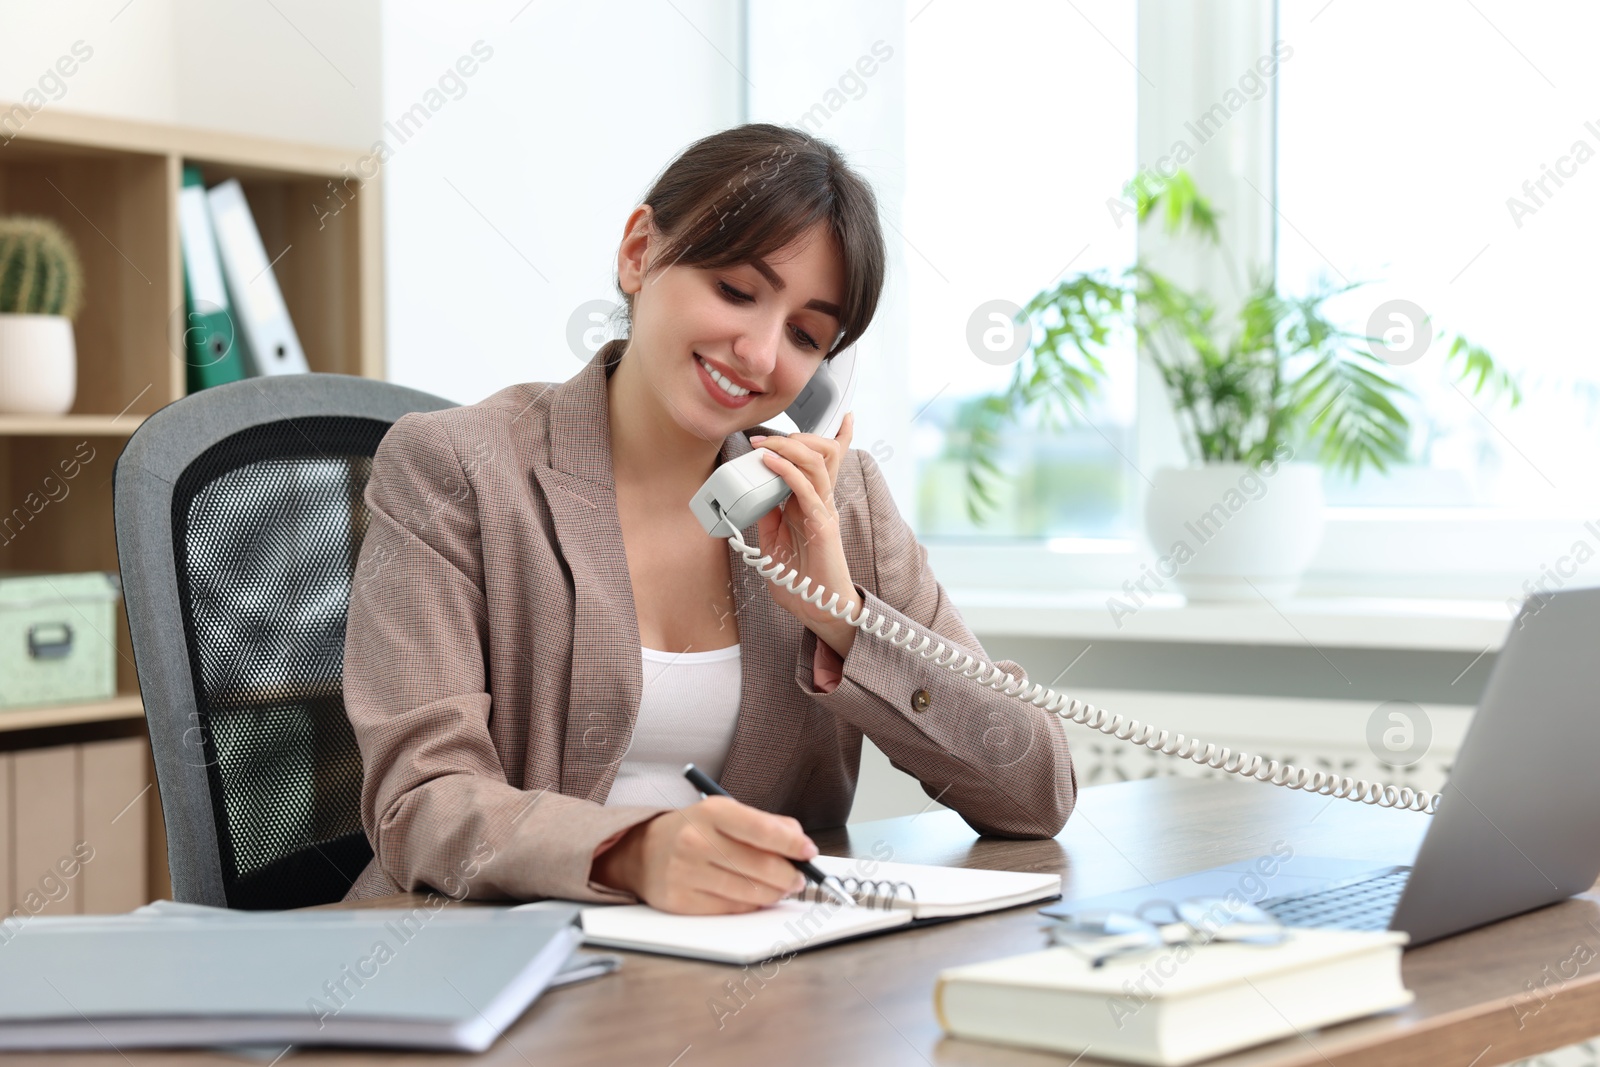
297 69
294 69
504 211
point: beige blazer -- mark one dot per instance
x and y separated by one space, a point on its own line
492 669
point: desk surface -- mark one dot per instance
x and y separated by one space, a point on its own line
870 1001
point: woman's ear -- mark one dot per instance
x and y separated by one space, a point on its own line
634 254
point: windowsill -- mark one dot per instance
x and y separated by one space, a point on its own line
1348 622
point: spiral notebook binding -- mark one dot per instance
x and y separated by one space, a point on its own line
868 892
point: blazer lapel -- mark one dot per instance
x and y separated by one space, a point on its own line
607 675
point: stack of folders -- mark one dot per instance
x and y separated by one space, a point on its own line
236 321
171 975
1172 1007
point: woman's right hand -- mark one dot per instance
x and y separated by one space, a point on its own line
711 858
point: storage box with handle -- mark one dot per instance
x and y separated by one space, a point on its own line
58 638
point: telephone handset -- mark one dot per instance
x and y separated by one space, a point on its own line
740 492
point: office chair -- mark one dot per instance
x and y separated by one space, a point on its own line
239 518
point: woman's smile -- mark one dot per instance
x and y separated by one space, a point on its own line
720 390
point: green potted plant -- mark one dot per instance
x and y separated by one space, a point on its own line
41 290
1266 397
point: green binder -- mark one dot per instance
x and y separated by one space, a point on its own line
210 341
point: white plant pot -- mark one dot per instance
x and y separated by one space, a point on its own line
38 365
1233 531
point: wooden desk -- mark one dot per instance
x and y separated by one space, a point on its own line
870 1001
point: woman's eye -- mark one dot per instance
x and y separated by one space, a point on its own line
801 337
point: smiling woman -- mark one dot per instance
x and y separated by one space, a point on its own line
553 635
737 197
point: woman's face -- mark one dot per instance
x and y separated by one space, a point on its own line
760 327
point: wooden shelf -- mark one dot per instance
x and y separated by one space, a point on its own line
69 425
113 186
122 706
55 132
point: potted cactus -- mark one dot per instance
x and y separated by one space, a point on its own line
41 290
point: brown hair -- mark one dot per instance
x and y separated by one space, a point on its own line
747 192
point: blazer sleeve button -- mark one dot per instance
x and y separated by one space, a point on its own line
920 700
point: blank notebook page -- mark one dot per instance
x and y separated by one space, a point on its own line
785 927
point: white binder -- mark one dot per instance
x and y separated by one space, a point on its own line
261 319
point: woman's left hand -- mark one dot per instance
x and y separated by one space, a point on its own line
803 533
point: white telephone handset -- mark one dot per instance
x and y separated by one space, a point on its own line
740 492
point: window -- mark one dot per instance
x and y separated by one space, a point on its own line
1020 124
1459 163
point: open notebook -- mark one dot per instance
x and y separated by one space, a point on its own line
891 895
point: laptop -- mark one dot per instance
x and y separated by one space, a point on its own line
1518 824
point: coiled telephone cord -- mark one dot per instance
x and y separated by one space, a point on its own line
1222 758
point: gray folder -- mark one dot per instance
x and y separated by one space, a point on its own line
447 978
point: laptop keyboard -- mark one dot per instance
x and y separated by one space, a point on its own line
1363 905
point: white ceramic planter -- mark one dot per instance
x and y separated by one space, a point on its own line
1232 531
38 365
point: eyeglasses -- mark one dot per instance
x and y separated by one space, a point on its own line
1101 935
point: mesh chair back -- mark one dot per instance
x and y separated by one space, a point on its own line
240 516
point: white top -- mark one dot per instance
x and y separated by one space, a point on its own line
687 711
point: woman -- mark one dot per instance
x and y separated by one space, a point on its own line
541 634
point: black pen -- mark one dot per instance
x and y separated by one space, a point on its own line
708 785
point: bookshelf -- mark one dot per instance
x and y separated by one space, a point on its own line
112 185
